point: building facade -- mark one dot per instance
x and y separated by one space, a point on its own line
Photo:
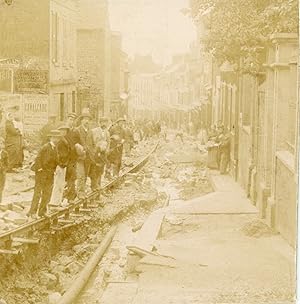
62 53
261 114
38 59
94 57
119 78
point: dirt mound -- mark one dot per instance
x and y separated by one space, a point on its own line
257 229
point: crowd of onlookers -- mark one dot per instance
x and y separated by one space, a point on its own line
70 152
81 147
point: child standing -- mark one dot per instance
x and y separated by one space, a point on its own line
3 166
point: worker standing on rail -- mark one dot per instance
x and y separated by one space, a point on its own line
99 141
63 151
44 168
3 166
72 138
117 135
83 162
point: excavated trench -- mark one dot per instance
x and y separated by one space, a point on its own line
43 272
179 181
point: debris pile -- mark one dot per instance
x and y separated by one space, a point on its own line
257 229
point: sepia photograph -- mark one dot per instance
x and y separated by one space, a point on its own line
149 151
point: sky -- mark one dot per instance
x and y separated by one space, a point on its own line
154 27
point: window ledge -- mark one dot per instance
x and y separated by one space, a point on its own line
287 159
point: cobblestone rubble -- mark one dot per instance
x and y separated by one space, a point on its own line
44 272
32 276
16 201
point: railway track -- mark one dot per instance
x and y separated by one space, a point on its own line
62 217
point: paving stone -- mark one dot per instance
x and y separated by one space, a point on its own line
4 206
17 208
48 279
73 268
53 298
64 260
56 268
14 217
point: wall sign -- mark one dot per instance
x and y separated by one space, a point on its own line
33 81
35 113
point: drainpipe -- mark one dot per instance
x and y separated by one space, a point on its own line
73 292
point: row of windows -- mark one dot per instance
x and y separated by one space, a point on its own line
63 40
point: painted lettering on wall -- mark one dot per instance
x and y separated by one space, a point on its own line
35 113
31 81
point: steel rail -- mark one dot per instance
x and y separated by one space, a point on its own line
7 237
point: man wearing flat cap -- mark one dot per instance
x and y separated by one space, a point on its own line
44 168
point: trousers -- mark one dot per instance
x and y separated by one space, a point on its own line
82 172
42 192
70 193
96 172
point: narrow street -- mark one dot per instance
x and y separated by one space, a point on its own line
209 249
149 151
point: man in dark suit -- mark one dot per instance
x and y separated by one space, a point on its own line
63 147
72 138
44 167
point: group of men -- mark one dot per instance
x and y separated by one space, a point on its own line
80 151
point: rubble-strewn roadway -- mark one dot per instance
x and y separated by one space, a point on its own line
185 235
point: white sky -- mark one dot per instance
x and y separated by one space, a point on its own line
154 27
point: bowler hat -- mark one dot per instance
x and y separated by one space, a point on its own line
121 119
64 127
54 133
85 115
72 115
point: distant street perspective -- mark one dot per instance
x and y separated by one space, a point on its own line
149 151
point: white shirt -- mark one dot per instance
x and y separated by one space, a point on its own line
101 138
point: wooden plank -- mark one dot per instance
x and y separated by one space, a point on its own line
149 232
25 240
13 252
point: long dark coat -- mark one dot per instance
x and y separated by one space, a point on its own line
14 145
